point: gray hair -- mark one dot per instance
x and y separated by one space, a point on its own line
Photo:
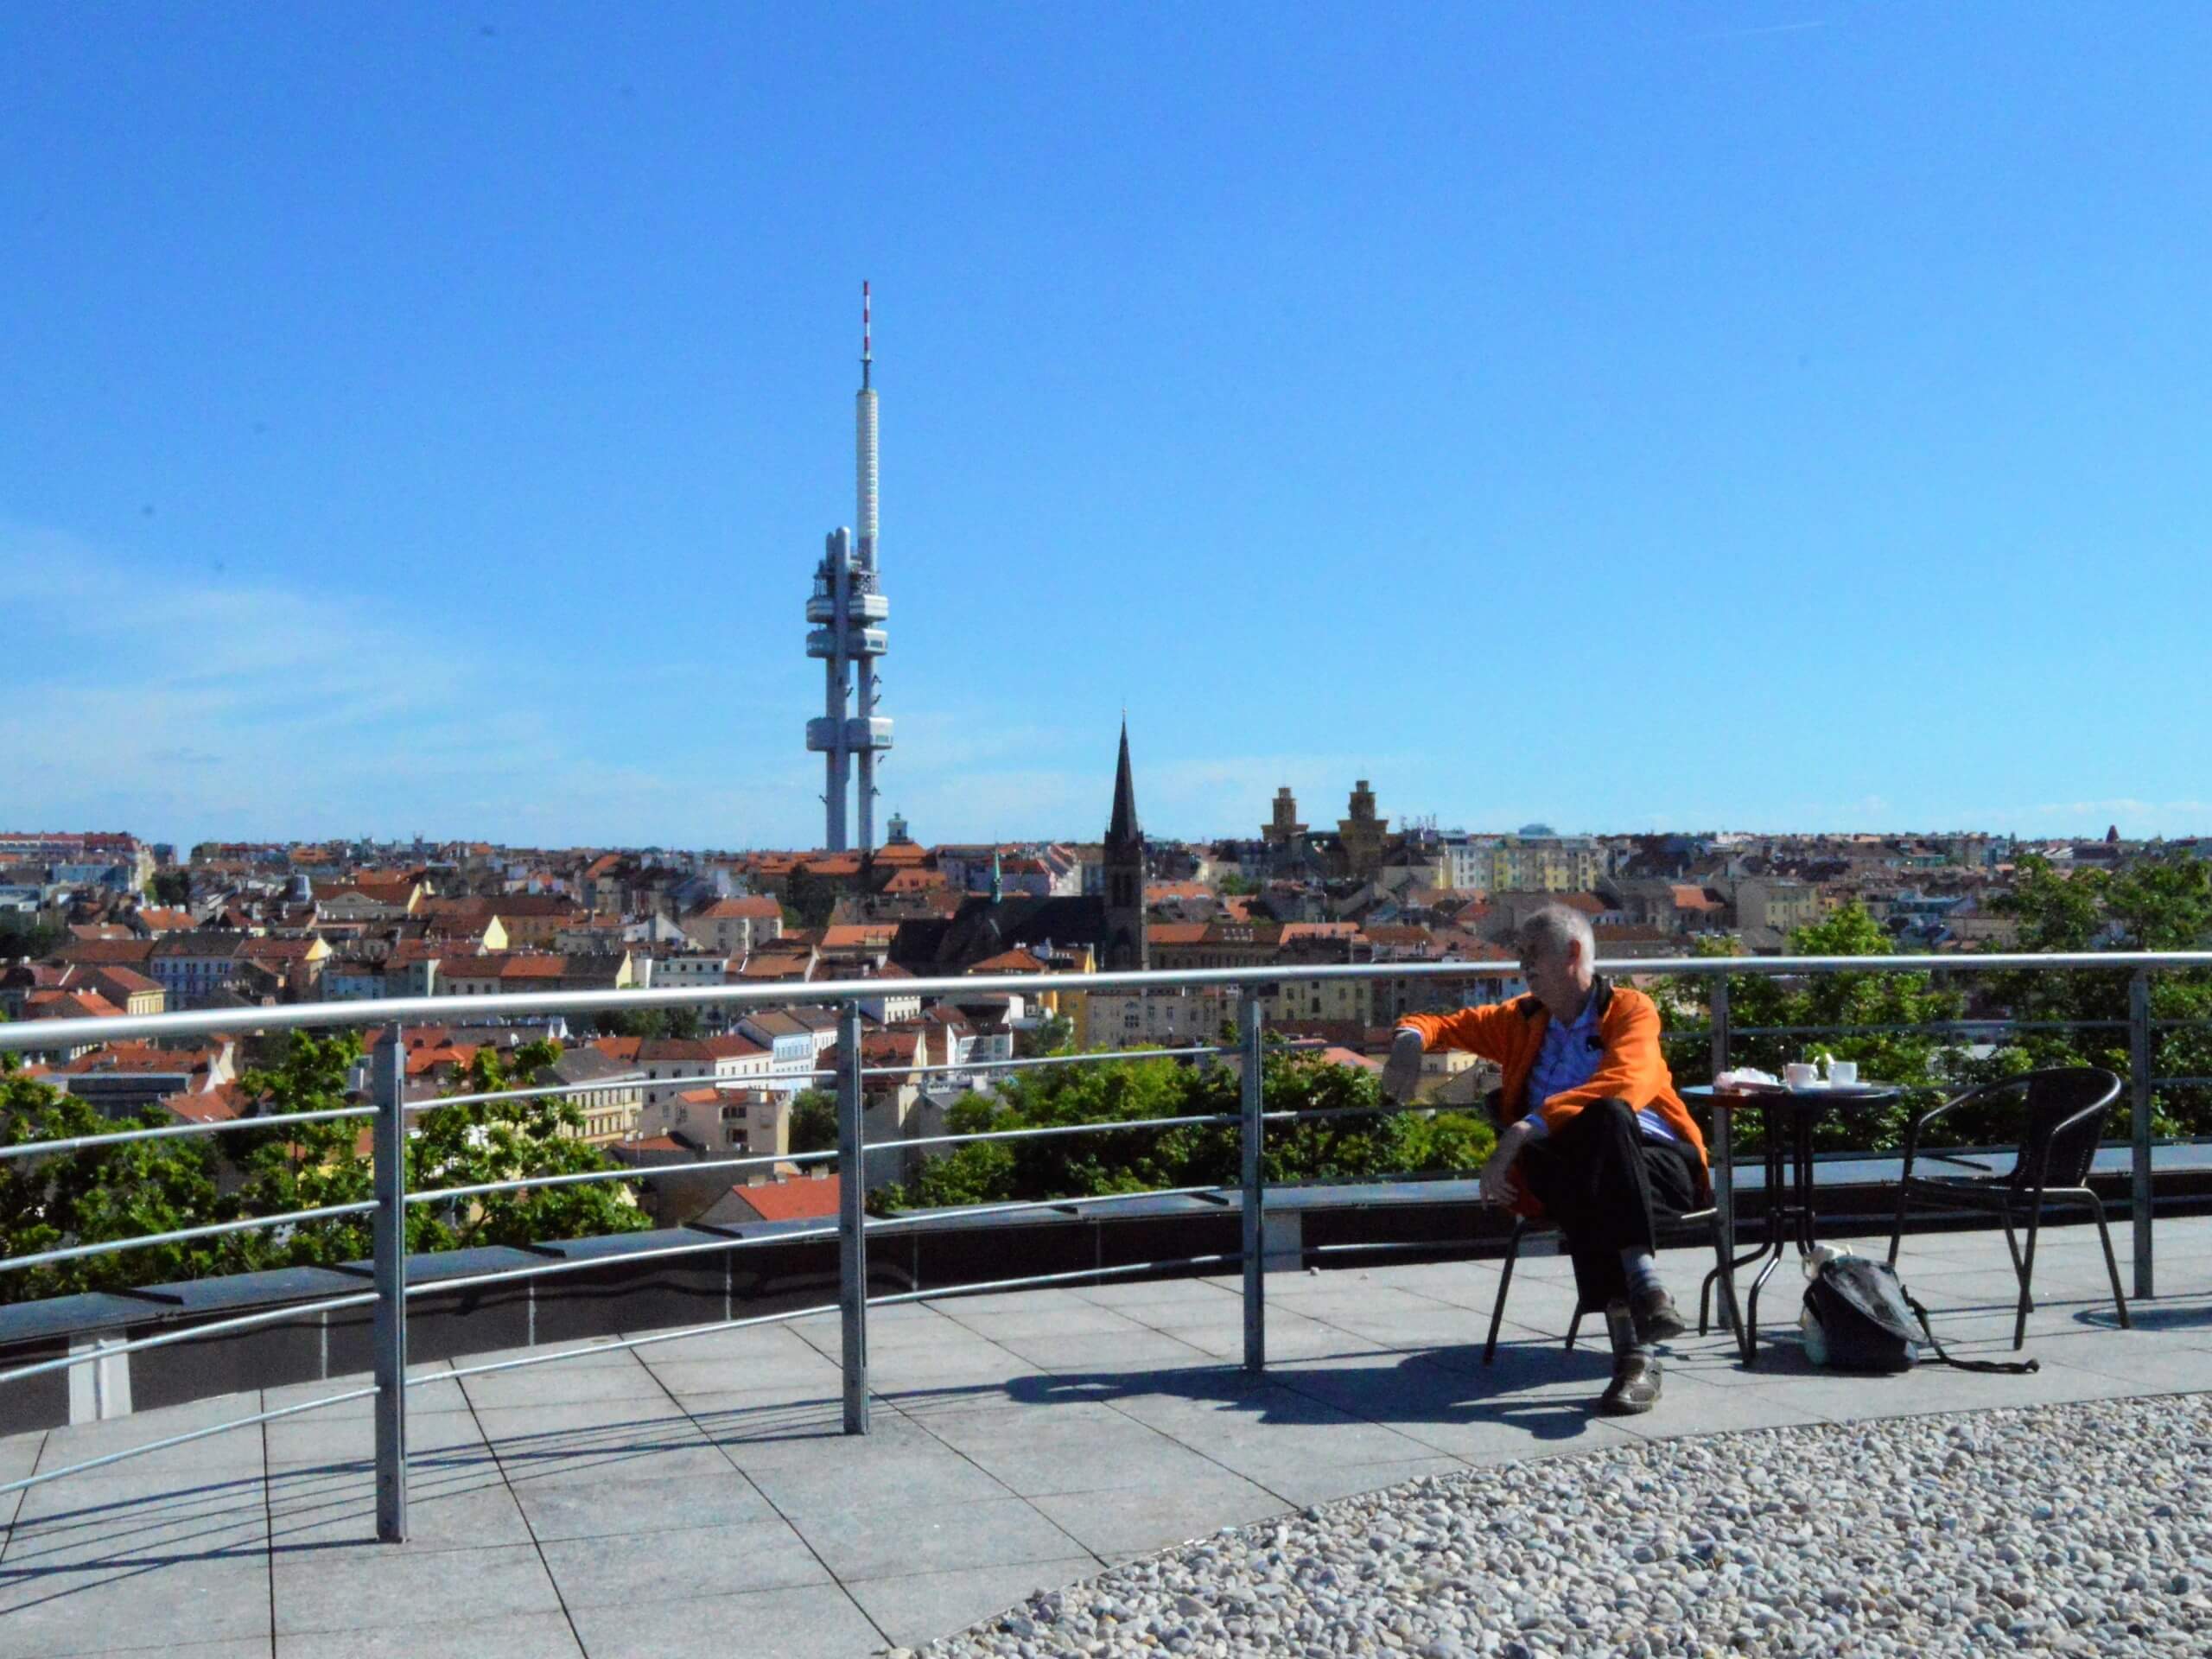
1551 929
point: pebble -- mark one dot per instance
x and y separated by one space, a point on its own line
2071 1530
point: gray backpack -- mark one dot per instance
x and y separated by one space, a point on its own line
1858 1317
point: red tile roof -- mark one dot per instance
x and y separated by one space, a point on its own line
800 1200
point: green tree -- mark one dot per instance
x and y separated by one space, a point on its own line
94 1195
1848 1015
170 887
1053 1034
814 1121
2155 905
20 936
1352 1148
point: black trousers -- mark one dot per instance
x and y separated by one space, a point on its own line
1599 1176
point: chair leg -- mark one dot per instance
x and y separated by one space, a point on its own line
2027 1272
1575 1324
1504 1284
1896 1225
2112 1262
1731 1312
2013 1248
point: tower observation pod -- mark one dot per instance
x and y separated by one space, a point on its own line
845 611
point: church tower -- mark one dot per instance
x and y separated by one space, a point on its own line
1124 870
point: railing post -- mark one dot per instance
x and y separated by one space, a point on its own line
1723 1127
852 1219
390 1324
1254 1143
2139 1067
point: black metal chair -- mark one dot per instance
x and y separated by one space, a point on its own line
1667 1221
2063 1113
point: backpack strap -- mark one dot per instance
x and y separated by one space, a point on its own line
2006 1367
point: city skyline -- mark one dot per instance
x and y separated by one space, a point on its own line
1644 423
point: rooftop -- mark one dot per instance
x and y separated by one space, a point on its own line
697 1495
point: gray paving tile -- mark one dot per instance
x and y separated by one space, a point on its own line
564 1383
19 1454
589 1509
761 1425
1482 1419
447 1508
235 1450
767 1343
311 1439
1067 1318
800 1373
1119 1522
1288 1425
856 1544
340 1589
917 1607
627 1569
875 1473
577 1354
45 1615
1137 1351
1689 1406
125 1520
429 1393
527 1636
1082 1447
810 1622
1139 1298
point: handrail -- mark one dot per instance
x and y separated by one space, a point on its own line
852 1227
63 1033
182 1235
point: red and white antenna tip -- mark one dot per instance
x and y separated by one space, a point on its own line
865 330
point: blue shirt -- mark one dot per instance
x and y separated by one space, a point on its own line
1570 1056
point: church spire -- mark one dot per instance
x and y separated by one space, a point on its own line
1122 827
1124 940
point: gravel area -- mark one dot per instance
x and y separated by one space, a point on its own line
2083 1529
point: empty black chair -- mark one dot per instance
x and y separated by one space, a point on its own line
1666 1221
2063 1113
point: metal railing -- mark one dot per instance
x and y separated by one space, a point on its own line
390 1111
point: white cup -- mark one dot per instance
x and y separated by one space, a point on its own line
1800 1074
1845 1072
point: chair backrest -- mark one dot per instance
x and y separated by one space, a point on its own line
2053 1096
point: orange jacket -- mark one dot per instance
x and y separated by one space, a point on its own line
1512 1033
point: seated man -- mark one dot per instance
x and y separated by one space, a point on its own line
1590 1130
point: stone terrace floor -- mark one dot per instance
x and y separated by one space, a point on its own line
696 1496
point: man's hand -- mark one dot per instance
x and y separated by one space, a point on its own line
1402 1071
1497 1173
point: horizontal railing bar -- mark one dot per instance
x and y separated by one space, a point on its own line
1039 1059
78 1143
63 1033
549 1091
621 1345
1959 1027
215 1230
948 1292
214 1328
968 1211
1103 1126
184 1438
642 1172
506 1275
1309 1113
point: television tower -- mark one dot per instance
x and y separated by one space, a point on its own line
846 607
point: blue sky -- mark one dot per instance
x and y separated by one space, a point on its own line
426 419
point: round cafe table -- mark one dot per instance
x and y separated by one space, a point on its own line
1790 1116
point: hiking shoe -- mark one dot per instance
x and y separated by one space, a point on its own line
1657 1319
1634 1386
